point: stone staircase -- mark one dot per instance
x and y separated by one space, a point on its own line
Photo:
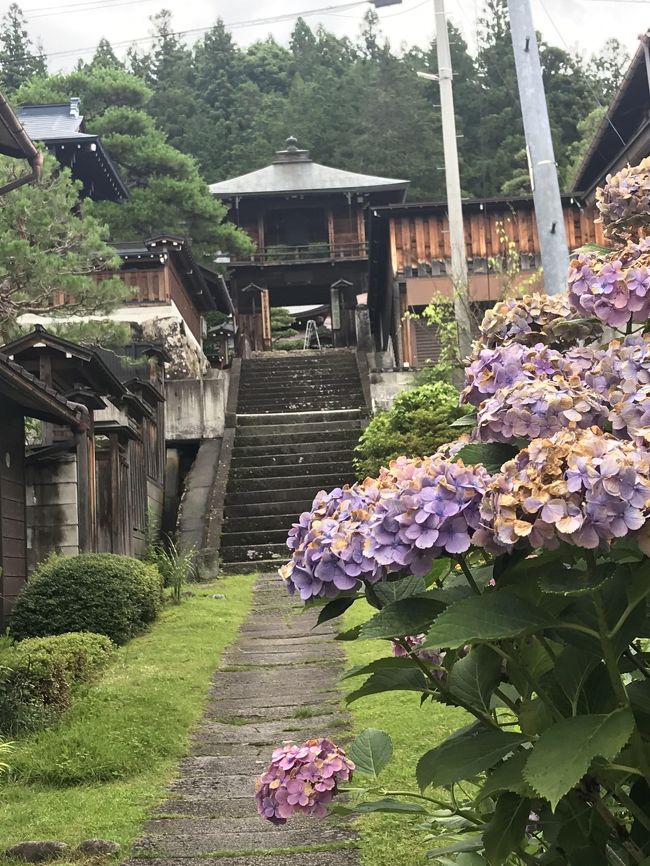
298 418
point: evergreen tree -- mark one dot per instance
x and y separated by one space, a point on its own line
104 57
167 192
19 59
37 219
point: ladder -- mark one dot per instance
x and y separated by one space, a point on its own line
310 334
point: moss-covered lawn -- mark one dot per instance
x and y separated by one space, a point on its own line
389 840
99 771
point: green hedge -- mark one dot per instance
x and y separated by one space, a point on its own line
37 676
415 426
97 592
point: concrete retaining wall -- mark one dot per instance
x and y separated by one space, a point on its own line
386 385
195 409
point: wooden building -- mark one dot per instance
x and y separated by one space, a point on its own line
95 494
23 395
62 130
309 224
410 261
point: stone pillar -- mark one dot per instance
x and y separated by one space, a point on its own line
364 334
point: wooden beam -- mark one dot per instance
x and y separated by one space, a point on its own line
116 546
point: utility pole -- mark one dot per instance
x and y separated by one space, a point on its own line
459 279
539 144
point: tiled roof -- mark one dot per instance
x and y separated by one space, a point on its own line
35 390
294 172
47 122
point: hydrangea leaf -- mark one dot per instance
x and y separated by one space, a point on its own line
395 590
491 616
464 755
407 616
564 752
334 608
572 582
395 680
507 828
508 777
371 751
387 805
491 454
349 634
474 678
388 663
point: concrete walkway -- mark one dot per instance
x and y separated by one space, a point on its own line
276 682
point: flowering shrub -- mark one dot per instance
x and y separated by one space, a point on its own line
510 576
625 200
301 779
613 285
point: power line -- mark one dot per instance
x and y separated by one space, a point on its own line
587 81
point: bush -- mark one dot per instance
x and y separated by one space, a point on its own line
97 592
416 425
37 676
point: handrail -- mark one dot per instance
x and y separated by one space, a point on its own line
281 253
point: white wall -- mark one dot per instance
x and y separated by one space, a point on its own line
195 409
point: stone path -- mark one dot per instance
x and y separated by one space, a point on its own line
276 682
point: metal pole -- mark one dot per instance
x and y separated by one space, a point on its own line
546 189
452 177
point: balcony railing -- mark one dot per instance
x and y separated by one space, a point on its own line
281 254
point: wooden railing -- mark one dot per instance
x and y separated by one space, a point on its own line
284 254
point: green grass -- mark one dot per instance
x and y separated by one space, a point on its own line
98 772
390 840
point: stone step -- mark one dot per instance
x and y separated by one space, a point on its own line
335 442
252 538
280 495
254 510
264 523
323 456
341 465
309 431
317 363
248 419
277 551
246 566
297 381
254 488
292 407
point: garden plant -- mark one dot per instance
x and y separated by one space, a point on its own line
510 573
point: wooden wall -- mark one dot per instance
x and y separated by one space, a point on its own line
12 506
52 508
419 238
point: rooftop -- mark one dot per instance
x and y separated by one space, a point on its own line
293 171
61 128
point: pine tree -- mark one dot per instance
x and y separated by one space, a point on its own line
19 59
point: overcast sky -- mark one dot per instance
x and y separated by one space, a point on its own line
69 29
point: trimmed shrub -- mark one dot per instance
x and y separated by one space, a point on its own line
416 425
37 676
96 592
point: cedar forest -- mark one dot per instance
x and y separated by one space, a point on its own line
224 109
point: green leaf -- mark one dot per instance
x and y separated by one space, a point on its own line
470 843
464 421
464 754
508 777
474 678
492 616
407 616
440 568
564 752
534 716
388 663
400 680
388 805
507 829
349 634
370 752
334 608
572 671
491 454
570 582
395 590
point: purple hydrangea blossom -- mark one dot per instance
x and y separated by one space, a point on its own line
630 417
620 369
533 319
489 370
538 408
432 512
434 657
625 199
584 487
301 779
613 286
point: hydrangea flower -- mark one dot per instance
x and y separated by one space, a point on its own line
581 486
433 511
613 286
625 200
301 779
533 319
489 370
434 657
630 417
622 368
538 408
